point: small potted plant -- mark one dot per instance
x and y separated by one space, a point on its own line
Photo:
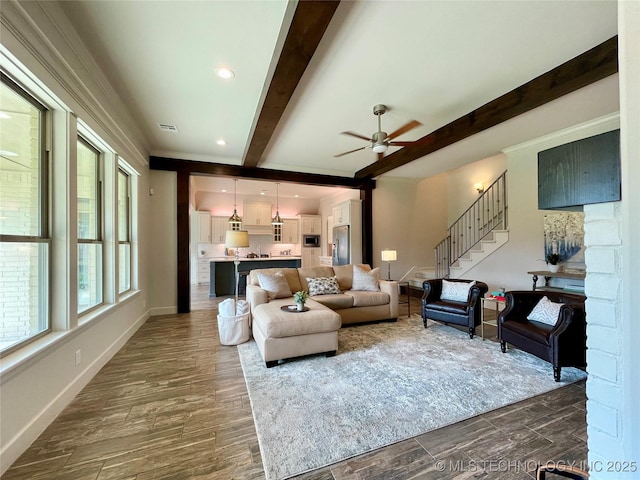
300 297
553 259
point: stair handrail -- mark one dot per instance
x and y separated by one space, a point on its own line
484 216
409 272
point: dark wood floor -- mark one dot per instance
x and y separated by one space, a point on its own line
173 404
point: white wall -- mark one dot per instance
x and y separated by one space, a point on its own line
163 250
222 204
461 190
429 219
409 217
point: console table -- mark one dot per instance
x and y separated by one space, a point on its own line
549 275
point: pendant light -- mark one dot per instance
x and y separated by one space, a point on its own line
277 220
235 219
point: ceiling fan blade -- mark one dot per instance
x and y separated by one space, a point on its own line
350 151
404 129
357 135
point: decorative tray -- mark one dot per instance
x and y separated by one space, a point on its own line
293 309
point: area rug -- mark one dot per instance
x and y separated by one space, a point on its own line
388 382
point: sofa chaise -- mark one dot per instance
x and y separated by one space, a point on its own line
280 334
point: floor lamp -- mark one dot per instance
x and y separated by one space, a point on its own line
237 239
389 256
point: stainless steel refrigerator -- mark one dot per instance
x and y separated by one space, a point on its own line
341 246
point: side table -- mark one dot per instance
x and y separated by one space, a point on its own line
408 300
496 303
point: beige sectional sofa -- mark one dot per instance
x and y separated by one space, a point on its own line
282 334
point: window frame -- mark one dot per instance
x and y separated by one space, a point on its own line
100 234
44 214
128 241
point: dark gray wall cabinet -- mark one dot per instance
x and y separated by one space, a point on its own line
581 172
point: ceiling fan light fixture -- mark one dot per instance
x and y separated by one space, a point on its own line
380 147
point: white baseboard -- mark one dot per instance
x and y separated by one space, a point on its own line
163 311
15 447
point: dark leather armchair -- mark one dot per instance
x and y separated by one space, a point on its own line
562 345
458 313
562 470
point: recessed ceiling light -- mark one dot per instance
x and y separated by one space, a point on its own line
263 192
221 142
4 115
7 153
224 190
225 72
296 196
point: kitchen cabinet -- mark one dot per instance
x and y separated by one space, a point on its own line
311 224
326 261
219 227
341 214
202 271
287 232
311 256
330 229
201 227
290 231
256 214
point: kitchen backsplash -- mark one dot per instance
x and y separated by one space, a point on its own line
261 243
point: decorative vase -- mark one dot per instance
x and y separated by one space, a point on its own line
300 306
554 268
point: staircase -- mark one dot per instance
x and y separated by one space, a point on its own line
476 234
417 275
478 253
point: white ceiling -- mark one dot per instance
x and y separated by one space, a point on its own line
432 61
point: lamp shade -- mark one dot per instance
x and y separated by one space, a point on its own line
237 239
389 255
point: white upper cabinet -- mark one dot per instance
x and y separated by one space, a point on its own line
311 224
219 227
256 214
201 227
287 232
290 231
342 214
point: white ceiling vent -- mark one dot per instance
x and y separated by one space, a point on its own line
165 127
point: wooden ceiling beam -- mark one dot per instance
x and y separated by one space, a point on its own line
192 167
308 25
585 69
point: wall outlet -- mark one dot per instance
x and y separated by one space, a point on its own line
78 357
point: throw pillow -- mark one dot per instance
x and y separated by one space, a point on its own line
456 291
546 312
275 285
323 286
364 280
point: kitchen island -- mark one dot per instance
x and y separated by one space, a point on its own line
222 271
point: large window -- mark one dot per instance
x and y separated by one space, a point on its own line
124 231
24 235
90 243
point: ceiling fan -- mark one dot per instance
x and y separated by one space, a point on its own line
380 141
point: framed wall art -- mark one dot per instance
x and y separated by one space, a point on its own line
564 235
